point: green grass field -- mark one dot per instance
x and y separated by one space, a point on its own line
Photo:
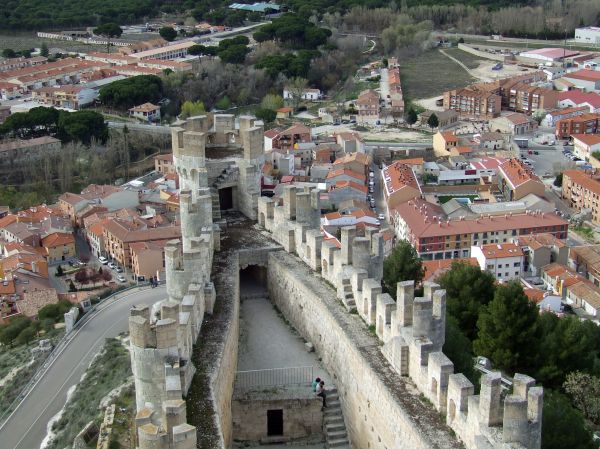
471 61
430 74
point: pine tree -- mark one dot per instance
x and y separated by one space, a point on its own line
508 330
433 121
403 264
411 116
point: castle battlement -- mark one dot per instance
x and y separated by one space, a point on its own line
412 329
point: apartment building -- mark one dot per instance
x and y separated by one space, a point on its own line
172 51
582 191
553 117
163 163
400 184
120 234
473 103
368 105
503 260
148 259
435 236
68 96
516 180
540 250
59 246
526 98
21 62
583 124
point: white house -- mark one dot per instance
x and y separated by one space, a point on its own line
587 35
503 260
585 144
307 94
147 112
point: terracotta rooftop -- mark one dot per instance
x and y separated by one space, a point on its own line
580 97
517 173
346 172
584 75
58 239
397 176
488 163
588 292
585 180
419 216
435 268
361 158
588 139
566 275
501 250
127 232
164 157
146 107
537 241
413 161
518 119
351 185
534 294
449 136
566 111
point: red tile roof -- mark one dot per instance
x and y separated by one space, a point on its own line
585 75
501 250
585 180
58 239
397 176
587 139
346 172
350 185
517 173
435 268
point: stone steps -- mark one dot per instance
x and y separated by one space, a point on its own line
336 435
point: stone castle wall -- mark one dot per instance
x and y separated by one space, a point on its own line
410 329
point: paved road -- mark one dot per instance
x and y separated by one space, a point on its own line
26 427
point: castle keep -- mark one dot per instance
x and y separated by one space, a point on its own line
330 292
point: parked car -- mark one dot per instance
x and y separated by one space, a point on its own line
119 270
381 217
121 278
536 152
112 265
103 260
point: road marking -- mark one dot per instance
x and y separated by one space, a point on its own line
96 313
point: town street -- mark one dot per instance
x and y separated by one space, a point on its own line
25 428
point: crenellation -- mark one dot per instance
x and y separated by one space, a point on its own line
412 330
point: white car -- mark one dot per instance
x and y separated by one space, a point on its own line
121 278
381 217
112 265
103 260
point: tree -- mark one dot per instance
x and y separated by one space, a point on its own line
458 348
109 31
508 330
433 121
124 94
44 50
9 53
168 33
296 87
191 109
233 54
106 276
272 101
223 103
266 115
562 425
568 344
468 289
584 391
403 264
26 335
411 116
82 276
558 180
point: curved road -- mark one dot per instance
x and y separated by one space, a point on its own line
26 427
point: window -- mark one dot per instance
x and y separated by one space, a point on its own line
490 267
499 275
506 274
517 264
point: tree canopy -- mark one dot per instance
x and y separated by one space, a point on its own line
562 425
168 33
132 91
81 126
433 121
508 331
468 289
403 264
108 30
293 31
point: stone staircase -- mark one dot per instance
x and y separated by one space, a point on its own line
216 205
347 295
335 428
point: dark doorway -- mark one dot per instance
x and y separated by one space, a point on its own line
274 422
253 282
226 198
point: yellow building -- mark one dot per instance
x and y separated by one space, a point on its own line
59 246
443 143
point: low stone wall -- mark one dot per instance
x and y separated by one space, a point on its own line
382 408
